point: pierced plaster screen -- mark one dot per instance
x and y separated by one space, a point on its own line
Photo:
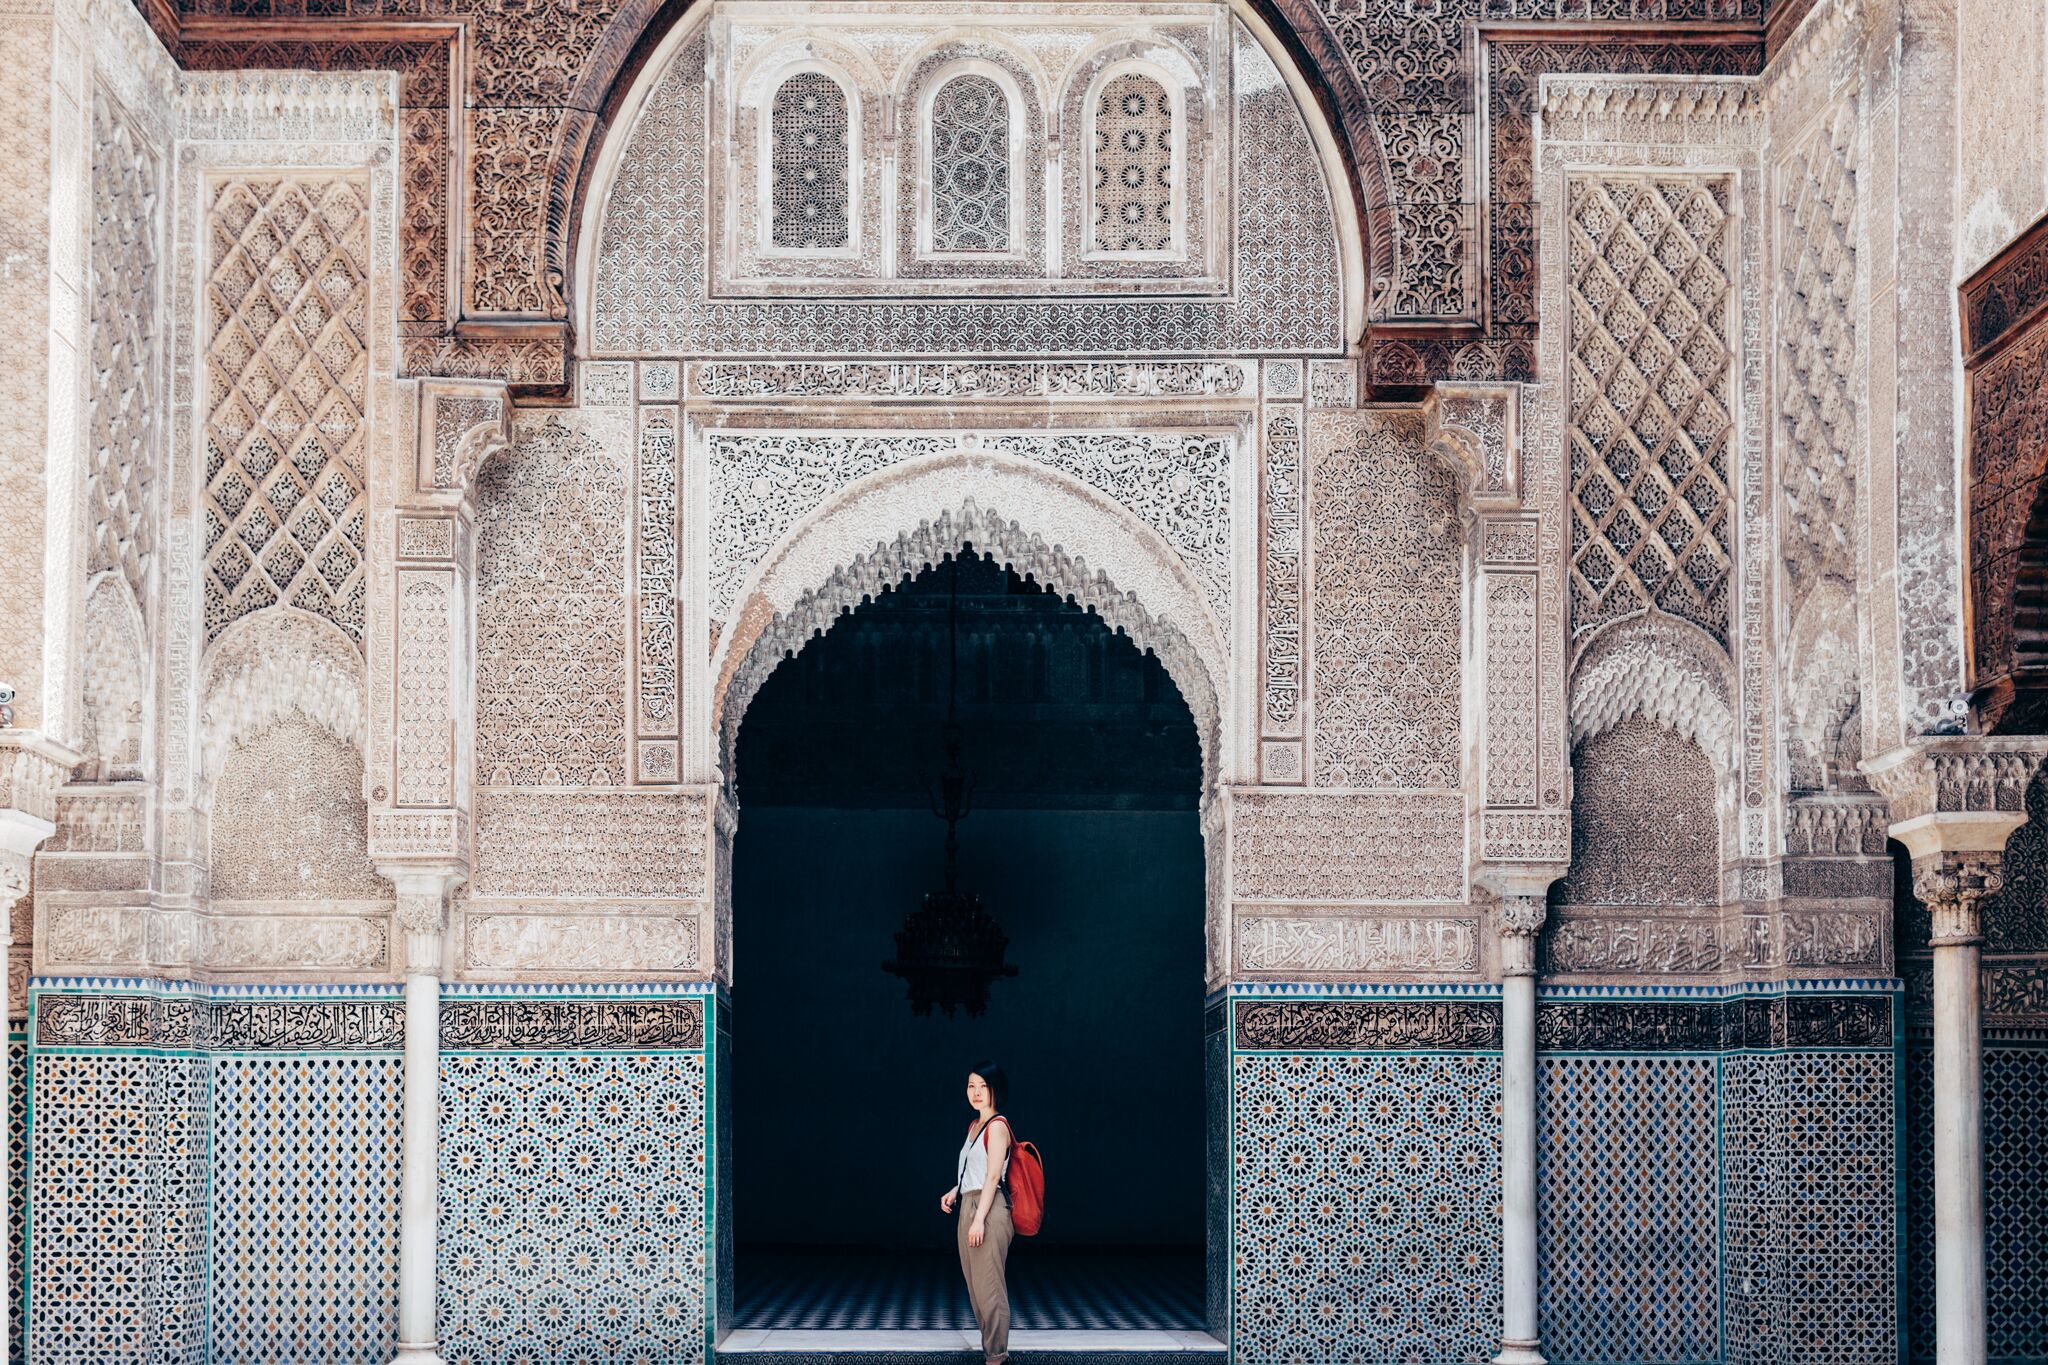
970 166
1650 284
809 161
1133 191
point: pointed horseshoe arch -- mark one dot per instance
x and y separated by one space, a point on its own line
892 524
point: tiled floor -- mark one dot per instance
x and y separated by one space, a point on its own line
1051 1288
754 1339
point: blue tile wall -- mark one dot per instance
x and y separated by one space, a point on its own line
574 1219
17 1195
1216 1195
2015 1200
1918 1197
305 1209
1627 1209
117 1188
1753 1185
1365 1218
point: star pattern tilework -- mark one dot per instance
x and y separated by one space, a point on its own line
572 1208
1367 1207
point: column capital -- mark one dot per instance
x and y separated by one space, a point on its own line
421 912
1521 903
1955 885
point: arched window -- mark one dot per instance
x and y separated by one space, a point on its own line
1133 165
809 152
970 141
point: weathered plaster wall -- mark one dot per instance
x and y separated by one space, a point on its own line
2001 125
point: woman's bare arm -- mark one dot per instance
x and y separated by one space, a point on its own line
998 1153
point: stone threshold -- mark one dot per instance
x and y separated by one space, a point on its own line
764 1346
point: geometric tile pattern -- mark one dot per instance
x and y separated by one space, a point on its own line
1627 1196
183 1144
1841 1239
17 1195
572 1207
1918 1158
1366 1224
305 1209
1809 1173
2016 1201
118 1191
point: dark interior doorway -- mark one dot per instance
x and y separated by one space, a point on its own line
1083 841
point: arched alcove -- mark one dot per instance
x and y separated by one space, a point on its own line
1083 839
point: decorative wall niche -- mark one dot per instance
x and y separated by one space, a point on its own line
1048 87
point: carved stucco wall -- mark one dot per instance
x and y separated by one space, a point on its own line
1650 271
650 286
2002 166
1644 891
1387 558
551 526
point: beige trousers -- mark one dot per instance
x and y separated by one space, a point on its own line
986 1269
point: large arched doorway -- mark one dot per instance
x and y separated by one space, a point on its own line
1084 840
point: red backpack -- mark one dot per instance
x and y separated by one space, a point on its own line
1024 1178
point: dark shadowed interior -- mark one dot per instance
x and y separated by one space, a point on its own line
1082 840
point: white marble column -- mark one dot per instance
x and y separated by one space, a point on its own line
422 919
1521 916
1954 891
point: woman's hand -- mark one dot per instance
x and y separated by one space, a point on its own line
949 1199
976 1231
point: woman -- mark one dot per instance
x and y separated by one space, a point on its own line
984 1232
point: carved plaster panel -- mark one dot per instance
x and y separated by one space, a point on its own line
652 290
1666 145
1386 608
288 819
551 613
1298 946
262 131
1376 847
607 844
552 942
1179 483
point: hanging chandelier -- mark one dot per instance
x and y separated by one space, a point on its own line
950 949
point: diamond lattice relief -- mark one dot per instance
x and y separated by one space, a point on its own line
123 338
1649 378
286 367
1817 227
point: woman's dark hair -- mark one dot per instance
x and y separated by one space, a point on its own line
998 1083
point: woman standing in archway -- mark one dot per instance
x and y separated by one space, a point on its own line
985 1230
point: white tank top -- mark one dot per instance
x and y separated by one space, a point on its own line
974 1160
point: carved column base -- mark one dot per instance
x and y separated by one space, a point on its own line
1519 1353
